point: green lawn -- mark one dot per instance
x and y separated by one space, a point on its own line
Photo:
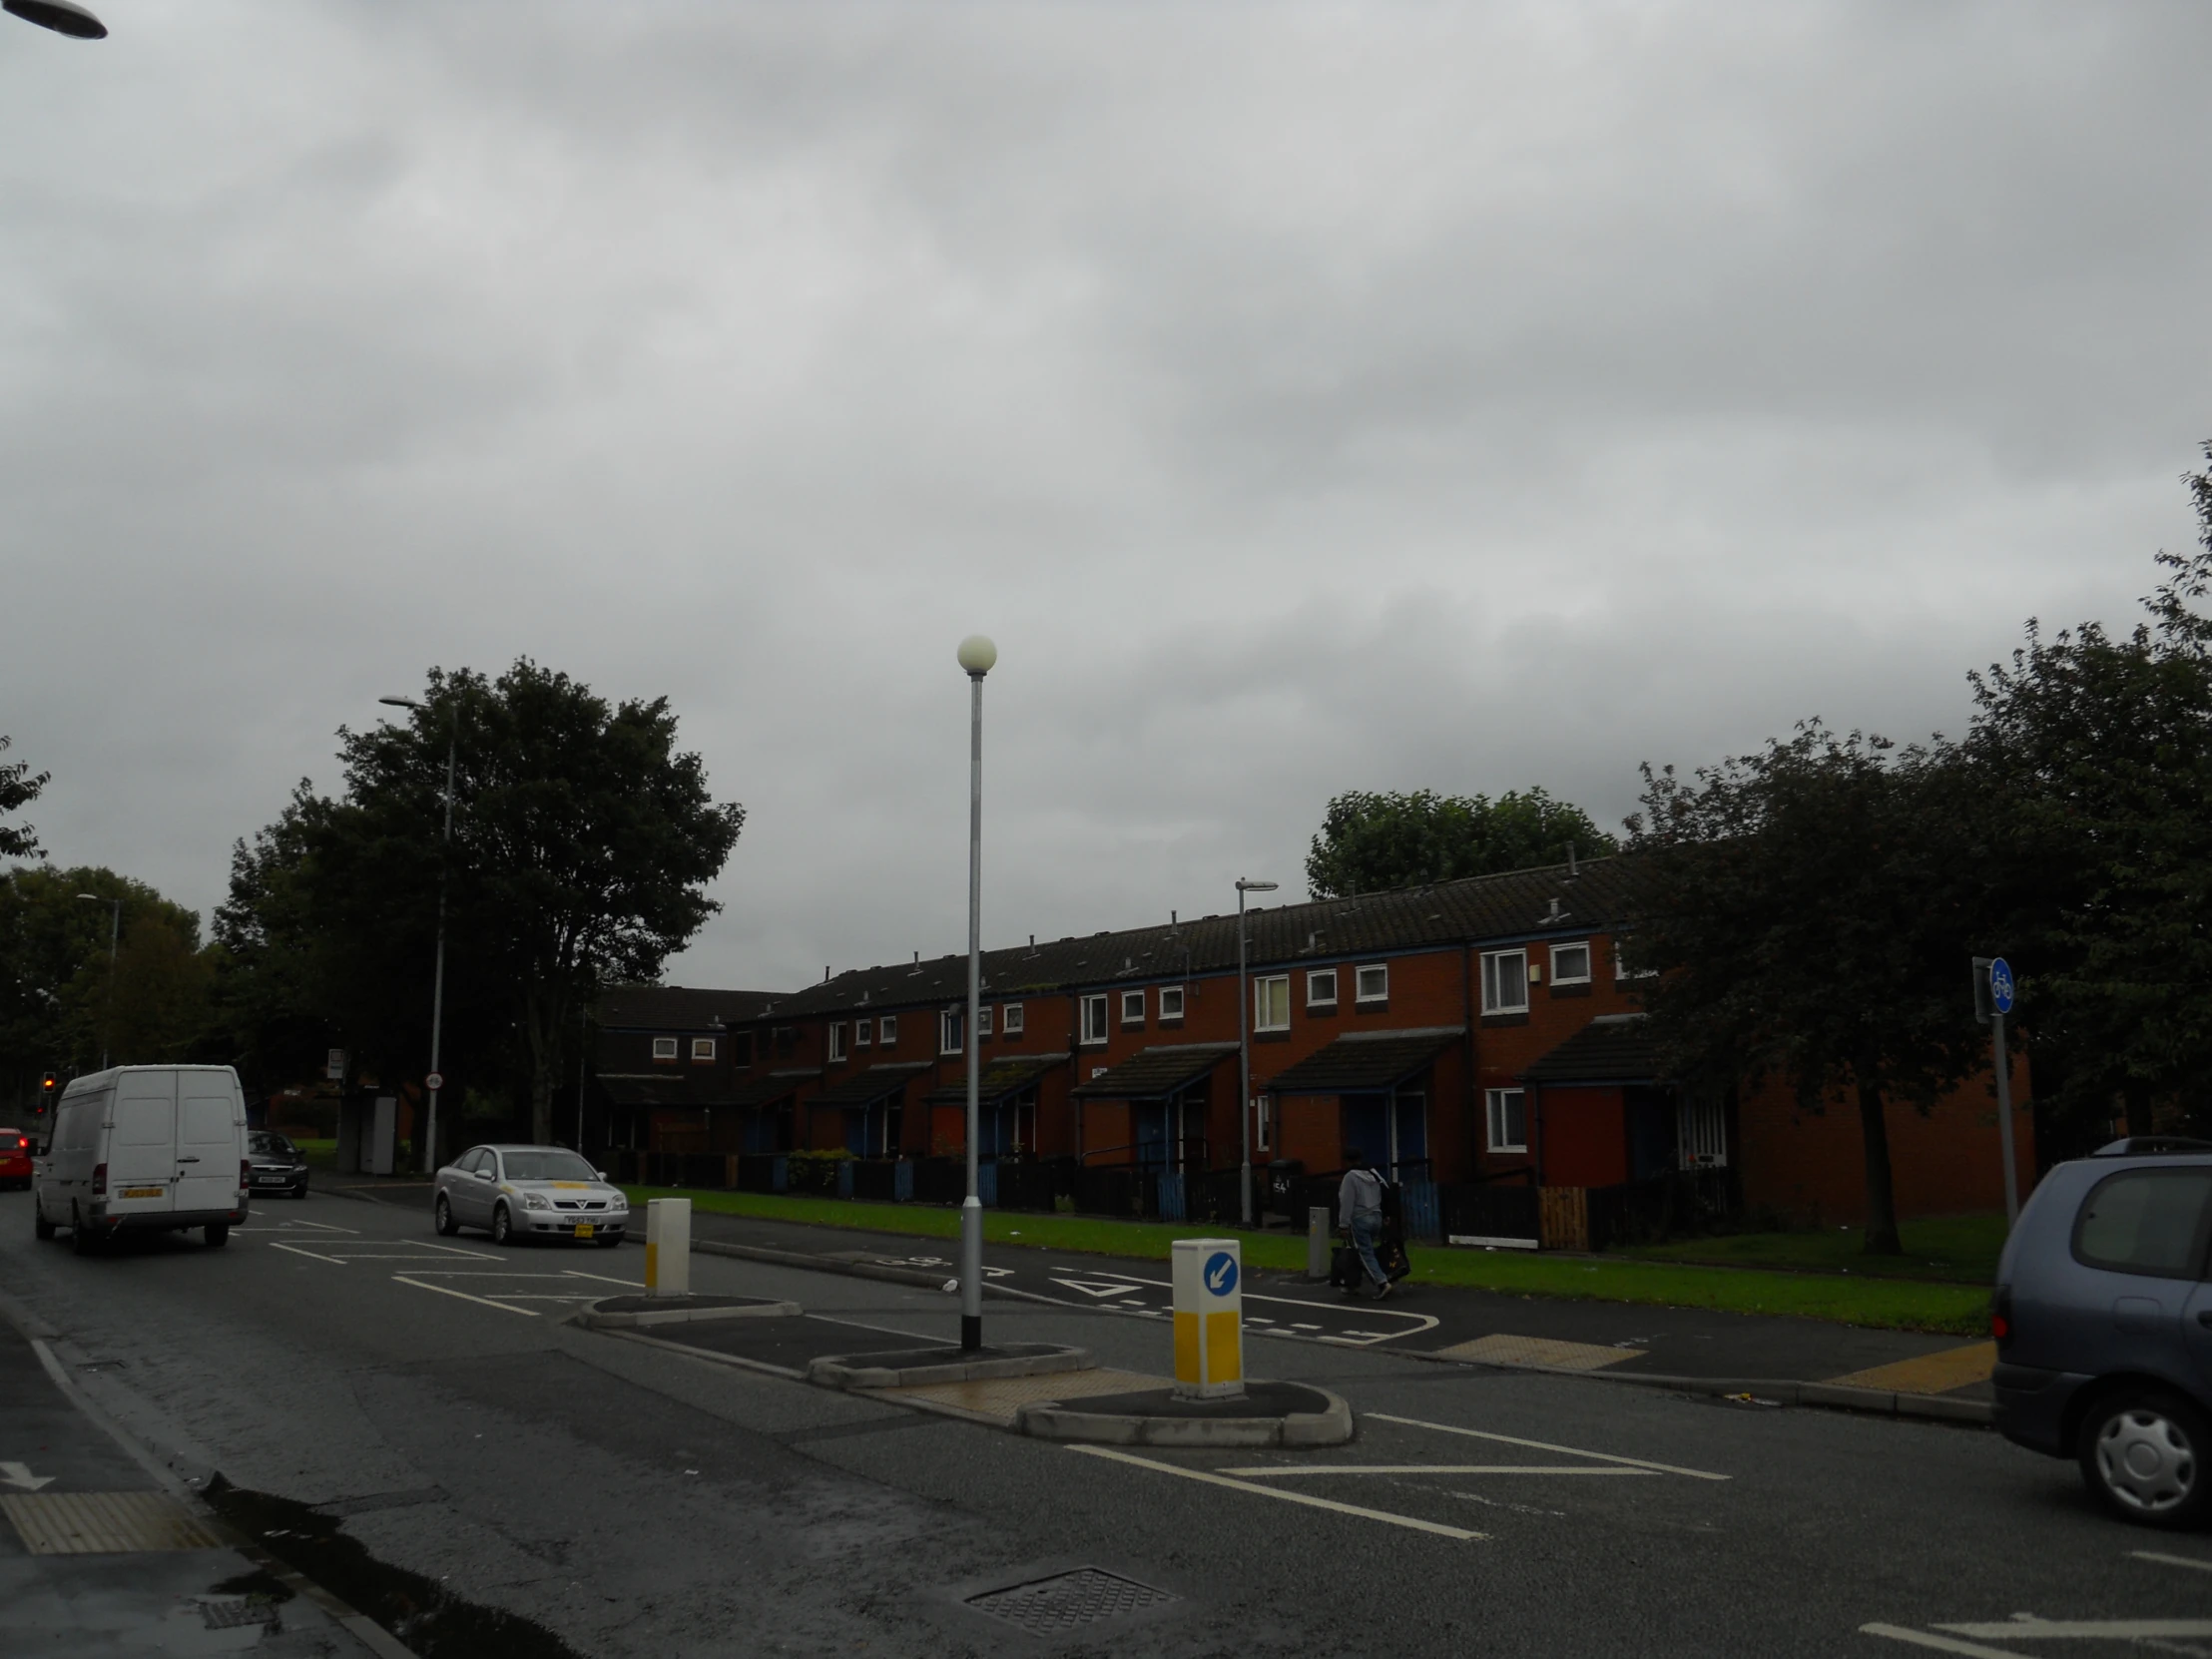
1853 1299
321 1155
1958 1248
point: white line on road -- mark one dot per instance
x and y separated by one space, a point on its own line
2161 1557
527 1312
1278 1472
1546 1445
1307 1499
1942 1644
578 1272
2085 1630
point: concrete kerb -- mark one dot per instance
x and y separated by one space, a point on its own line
629 1313
1053 1420
919 1367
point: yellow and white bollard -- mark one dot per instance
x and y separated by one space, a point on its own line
1209 1319
667 1246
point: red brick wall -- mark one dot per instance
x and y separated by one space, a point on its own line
1582 1138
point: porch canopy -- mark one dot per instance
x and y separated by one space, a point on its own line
1005 1076
1613 1049
1157 1073
1366 1062
869 1087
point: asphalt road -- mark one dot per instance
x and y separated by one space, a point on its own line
420 1402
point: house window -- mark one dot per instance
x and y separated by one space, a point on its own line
1571 963
1372 982
1132 1008
1271 1003
703 1048
784 1040
1094 1018
983 1021
887 1029
1263 1128
952 1029
1171 1004
863 1032
1621 970
1321 988
837 1041
1506 982
740 1048
1014 1019
1508 1120
664 1048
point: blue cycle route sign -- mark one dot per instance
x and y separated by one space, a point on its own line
2000 986
1221 1273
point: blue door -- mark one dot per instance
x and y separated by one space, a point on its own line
1367 1125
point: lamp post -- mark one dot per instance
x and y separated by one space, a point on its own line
436 1080
977 656
1244 1048
115 934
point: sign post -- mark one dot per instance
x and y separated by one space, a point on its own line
667 1246
1209 1319
1993 1000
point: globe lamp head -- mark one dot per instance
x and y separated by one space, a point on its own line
978 654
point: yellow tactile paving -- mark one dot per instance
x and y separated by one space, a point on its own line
1003 1396
103 1523
1502 1349
1930 1374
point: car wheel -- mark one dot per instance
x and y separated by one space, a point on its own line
443 1212
39 1224
2142 1453
503 1227
219 1234
301 1192
81 1241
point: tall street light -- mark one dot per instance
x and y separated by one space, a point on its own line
115 934
1244 1044
436 1080
977 656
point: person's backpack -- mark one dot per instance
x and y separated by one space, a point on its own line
1390 1210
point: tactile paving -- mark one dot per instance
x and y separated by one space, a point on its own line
1502 1349
103 1523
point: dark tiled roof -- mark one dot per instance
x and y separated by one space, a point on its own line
1157 1073
1612 1049
678 1007
1364 1061
765 1091
1518 904
1000 1078
865 1088
650 1091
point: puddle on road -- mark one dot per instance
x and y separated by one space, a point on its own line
421 1612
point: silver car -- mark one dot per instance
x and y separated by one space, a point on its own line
522 1192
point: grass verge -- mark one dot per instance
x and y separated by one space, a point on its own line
1961 1250
1891 1304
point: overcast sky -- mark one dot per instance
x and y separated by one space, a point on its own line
1305 399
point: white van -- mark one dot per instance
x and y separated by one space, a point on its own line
145 1147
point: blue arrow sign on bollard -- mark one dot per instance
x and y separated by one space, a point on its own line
2000 986
1221 1273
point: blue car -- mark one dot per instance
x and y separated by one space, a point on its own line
2103 1323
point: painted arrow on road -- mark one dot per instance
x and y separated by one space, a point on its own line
20 1477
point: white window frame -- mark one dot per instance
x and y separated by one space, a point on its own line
703 1048
887 1031
1171 1004
1011 1025
1360 992
1093 1017
1494 1125
983 1021
1490 959
1265 988
1263 1126
1132 999
1315 996
837 1041
665 1049
953 1031
863 1032
1582 979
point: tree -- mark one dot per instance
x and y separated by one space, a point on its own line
1369 843
18 788
582 843
1809 910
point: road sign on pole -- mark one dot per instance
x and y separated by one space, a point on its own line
434 1082
1992 995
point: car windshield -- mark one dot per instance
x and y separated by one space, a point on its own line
262 1141
549 1164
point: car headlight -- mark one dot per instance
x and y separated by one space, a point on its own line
535 1201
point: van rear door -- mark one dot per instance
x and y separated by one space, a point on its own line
209 1141
142 1148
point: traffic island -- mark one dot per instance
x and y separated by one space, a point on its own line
1264 1415
915 1368
631 1312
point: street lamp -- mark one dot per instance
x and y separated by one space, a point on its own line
115 932
1244 1045
436 1080
977 656
63 17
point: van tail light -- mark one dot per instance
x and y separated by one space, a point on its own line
100 1181
2001 1316
245 1168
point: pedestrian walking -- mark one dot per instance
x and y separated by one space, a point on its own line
1360 1213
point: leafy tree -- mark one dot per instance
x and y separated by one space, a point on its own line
1369 843
582 843
1809 909
18 788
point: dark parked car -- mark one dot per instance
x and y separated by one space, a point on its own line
279 1166
2103 1321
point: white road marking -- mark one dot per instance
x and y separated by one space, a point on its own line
19 1476
419 1250
1279 1471
527 1312
1546 1445
2084 1630
1415 1324
1307 1499
1942 1644
2161 1557
1091 1290
578 1272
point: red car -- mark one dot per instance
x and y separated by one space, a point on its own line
15 1158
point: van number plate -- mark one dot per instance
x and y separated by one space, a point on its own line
142 1192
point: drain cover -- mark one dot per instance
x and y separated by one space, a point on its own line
231 1614
1068 1601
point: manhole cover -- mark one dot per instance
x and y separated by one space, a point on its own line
1068 1601
235 1614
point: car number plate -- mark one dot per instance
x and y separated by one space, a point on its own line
141 1192
583 1230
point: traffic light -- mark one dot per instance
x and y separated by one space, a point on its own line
49 1090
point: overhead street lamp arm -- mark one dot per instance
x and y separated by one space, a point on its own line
63 17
